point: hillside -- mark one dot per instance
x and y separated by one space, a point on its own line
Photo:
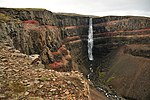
60 40
21 80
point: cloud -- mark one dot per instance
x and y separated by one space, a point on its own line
122 13
101 7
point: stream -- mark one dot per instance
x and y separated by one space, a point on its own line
109 93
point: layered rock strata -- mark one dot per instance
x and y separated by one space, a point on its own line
61 42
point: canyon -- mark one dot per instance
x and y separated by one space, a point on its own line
121 48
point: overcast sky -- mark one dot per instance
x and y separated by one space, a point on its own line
90 7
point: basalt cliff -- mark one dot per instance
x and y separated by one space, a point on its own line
121 46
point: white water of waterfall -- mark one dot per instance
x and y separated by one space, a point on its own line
90 40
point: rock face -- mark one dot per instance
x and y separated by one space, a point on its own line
122 47
61 42
32 31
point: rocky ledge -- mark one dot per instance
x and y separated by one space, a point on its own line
21 80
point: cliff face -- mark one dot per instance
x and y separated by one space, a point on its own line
111 32
42 32
61 41
123 45
32 31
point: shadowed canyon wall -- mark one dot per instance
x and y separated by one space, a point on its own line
121 45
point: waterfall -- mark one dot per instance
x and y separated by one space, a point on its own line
92 76
90 40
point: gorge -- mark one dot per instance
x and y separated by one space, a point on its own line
121 50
